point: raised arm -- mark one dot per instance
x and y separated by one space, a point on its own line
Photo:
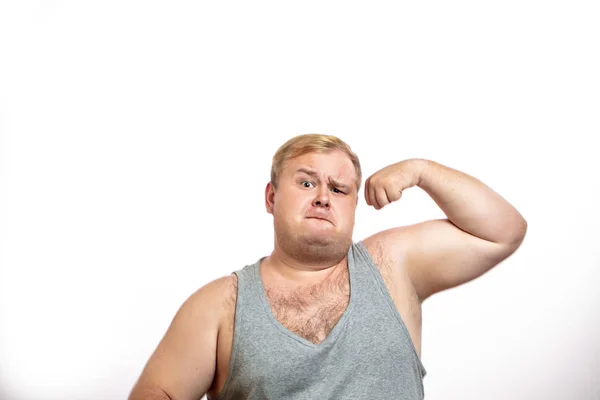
481 230
183 365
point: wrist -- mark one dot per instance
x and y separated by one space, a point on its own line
421 168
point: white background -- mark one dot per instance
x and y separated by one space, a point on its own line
136 141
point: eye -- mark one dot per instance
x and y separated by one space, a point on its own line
336 190
304 183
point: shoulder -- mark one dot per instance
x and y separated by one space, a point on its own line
389 251
388 248
209 304
192 336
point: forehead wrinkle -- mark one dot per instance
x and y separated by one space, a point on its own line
307 170
335 182
342 178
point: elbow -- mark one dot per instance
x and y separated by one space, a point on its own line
519 235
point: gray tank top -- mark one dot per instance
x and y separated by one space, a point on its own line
368 354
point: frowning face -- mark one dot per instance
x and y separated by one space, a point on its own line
314 206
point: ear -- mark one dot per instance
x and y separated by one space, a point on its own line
269 197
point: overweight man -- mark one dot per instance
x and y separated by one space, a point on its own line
323 316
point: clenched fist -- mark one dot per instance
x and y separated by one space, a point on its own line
387 184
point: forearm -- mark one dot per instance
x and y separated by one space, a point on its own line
470 204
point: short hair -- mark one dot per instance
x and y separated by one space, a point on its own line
309 143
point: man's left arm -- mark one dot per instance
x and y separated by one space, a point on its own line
481 228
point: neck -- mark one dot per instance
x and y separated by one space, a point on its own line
281 267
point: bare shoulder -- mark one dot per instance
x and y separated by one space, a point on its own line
218 291
387 248
184 363
217 297
227 286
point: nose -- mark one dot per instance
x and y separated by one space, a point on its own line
322 199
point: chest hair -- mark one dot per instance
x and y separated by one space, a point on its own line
311 311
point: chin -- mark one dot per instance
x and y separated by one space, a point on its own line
323 237
320 240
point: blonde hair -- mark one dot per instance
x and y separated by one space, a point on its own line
309 143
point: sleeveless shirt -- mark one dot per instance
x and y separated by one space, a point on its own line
369 353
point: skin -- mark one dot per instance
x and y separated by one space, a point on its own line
309 260
313 211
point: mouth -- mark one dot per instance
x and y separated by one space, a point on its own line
320 218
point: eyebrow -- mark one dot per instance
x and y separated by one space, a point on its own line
314 174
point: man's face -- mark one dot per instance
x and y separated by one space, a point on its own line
314 206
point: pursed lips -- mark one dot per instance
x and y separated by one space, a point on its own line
322 218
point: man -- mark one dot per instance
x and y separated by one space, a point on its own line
324 317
